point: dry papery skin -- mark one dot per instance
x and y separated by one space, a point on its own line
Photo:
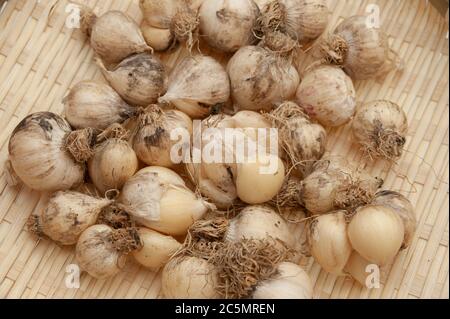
227 25
38 155
96 105
380 128
140 79
362 50
113 35
240 265
260 80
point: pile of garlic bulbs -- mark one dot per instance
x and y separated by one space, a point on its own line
120 161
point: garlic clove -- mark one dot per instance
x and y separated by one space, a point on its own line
196 84
158 39
96 105
156 248
114 35
139 79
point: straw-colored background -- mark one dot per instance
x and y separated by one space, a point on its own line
40 59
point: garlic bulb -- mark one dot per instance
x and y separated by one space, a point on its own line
334 184
156 248
404 209
360 47
102 251
291 282
139 79
38 155
67 215
380 128
114 35
151 197
113 163
160 14
255 186
196 84
357 267
158 39
259 222
259 79
328 242
96 105
228 25
302 140
376 232
327 94
152 141
302 21
189 278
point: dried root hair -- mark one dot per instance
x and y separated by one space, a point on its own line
184 27
114 131
34 226
115 217
289 196
384 143
81 144
125 240
333 49
87 19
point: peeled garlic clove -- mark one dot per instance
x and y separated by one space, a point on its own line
158 39
152 142
361 48
38 156
302 140
154 201
228 25
259 79
328 242
327 94
67 215
156 248
101 251
259 222
139 79
96 105
380 128
259 182
359 268
189 278
197 84
114 35
113 163
291 282
376 232
404 209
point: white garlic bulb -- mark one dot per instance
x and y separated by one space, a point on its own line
189 278
196 84
259 80
96 105
102 251
67 215
38 155
139 79
228 25
291 282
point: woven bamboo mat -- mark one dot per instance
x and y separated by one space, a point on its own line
40 59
